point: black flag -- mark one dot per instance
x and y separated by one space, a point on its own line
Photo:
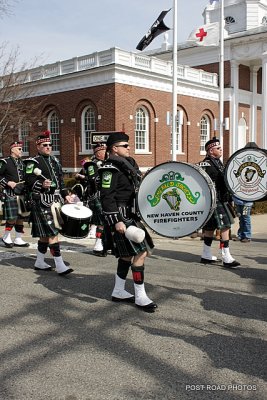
156 29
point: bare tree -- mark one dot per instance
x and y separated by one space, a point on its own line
17 102
6 7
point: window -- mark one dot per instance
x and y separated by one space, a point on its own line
141 130
53 126
24 133
179 133
88 125
204 132
229 20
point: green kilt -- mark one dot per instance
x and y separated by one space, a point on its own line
42 221
123 247
220 219
97 217
10 208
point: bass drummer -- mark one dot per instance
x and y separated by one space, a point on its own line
44 177
221 218
120 177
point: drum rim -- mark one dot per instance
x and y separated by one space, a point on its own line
212 200
73 205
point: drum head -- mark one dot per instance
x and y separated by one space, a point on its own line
76 211
175 199
245 174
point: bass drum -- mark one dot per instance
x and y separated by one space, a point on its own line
245 174
175 199
76 218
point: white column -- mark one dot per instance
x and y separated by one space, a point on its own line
174 82
264 100
253 119
234 105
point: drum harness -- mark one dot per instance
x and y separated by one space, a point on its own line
135 176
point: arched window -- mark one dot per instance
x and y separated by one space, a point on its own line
204 132
24 132
88 125
141 130
53 126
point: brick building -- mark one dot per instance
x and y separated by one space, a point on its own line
120 90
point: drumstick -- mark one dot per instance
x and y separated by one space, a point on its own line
20 182
38 172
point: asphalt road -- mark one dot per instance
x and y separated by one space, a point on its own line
63 339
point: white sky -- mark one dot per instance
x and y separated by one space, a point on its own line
54 30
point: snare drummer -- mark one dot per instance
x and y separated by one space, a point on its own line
220 218
120 177
44 177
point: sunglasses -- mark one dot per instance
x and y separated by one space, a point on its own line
126 146
47 145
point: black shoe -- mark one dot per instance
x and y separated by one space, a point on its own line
150 308
8 245
236 239
245 240
43 269
126 300
101 253
208 261
68 271
22 245
233 264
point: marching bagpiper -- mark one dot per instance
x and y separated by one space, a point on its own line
44 177
12 182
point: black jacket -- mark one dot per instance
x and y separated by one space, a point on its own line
120 178
215 169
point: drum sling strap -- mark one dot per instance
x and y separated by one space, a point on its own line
22 209
129 168
55 209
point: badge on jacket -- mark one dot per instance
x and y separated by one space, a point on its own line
106 180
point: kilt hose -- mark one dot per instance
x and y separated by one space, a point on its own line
42 221
220 219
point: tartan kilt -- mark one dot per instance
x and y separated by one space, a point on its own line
42 221
123 247
10 208
220 219
97 217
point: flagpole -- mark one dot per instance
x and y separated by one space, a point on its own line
221 75
174 82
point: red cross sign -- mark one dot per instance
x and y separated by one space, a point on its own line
201 34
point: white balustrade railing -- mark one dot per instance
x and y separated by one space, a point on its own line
124 58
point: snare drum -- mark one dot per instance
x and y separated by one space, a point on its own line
76 219
176 199
245 174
